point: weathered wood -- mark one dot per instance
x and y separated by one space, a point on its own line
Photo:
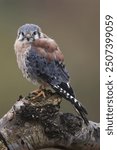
35 122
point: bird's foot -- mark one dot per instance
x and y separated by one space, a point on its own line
41 93
38 93
35 92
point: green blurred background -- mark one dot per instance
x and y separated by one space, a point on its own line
74 24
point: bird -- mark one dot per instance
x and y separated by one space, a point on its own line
42 62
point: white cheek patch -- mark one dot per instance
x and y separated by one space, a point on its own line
36 36
20 37
41 35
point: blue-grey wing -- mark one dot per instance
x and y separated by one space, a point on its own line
53 72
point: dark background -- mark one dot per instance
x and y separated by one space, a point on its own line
74 24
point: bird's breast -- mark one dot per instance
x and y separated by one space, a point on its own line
31 64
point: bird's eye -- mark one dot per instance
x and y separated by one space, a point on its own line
21 36
34 33
22 33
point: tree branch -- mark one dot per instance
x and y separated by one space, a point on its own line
35 122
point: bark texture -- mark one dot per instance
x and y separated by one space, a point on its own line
35 123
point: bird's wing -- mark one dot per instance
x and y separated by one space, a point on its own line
50 64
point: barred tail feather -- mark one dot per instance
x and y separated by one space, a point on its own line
70 97
83 112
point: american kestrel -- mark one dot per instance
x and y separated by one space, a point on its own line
42 62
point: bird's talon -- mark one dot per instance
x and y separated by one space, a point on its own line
42 93
35 92
39 94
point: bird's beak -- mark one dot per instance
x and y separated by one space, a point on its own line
29 37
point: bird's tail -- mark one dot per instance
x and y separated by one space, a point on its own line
71 98
80 108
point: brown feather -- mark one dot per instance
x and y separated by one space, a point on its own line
48 48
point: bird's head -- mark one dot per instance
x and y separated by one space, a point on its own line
29 33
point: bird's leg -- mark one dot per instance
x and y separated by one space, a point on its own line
40 92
